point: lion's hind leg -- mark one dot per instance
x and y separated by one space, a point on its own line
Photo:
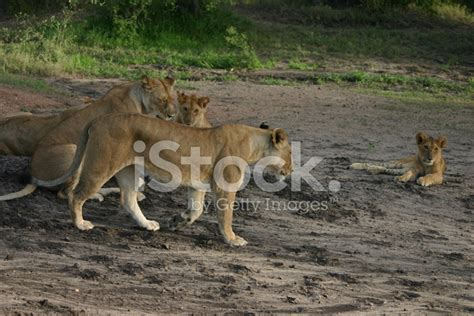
75 206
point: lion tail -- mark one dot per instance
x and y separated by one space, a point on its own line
73 168
28 189
359 166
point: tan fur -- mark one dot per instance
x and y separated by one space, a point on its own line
21 133
54 152
106 149
192 110
427 167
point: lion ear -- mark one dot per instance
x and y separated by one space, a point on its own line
203 101
146 82
170 81
181 97
279 137
421 138
442 141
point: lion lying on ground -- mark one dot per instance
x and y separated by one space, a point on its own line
108 148
427 167
53 153
21 133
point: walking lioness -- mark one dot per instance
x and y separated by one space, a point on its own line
53 153
107 149
427 167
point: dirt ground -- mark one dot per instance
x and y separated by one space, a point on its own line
380 246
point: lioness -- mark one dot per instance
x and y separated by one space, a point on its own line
54 152
427 167
21 133
107 149
192 110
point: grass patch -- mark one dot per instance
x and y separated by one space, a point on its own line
297 64
185 85
260 34
24 82
385 81
297 37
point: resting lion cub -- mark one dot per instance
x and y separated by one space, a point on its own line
106 149
427 167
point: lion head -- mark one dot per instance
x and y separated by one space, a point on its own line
280 148
158 97
430 149
191 108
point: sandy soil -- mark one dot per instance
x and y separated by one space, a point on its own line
380 245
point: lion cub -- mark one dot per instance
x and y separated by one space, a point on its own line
192 110
427 167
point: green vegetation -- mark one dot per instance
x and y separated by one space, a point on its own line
125 38
278 82
397 86
25 82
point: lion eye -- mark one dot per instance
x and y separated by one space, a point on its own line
195 111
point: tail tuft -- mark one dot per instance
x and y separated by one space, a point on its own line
359 166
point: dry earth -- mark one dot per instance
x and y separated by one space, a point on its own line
380 246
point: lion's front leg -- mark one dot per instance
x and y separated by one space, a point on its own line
407 176
126 181
431 179
194 211
224 205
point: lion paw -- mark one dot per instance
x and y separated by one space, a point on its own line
99 197
423 181
401 179
151 225
85 225
237 242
